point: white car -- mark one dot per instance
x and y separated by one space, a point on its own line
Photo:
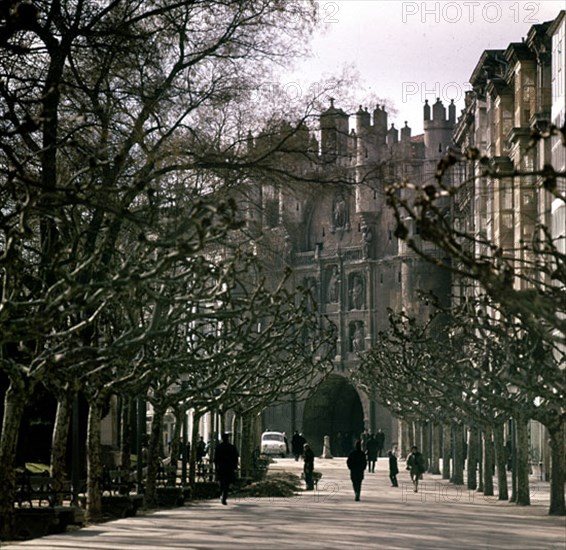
273 443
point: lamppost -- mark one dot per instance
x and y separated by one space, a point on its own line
513 390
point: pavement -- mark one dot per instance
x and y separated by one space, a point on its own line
439 516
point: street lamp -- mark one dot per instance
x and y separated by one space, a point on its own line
513 391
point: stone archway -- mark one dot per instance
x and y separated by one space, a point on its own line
334 409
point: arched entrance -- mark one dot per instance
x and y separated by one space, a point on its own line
334 409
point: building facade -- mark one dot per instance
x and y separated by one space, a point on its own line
337 234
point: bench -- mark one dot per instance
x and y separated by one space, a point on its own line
116 482
35 489
204 472
167 477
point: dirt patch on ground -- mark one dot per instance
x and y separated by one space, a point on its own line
276 484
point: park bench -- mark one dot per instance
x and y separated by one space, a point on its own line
38 512
116 482
36 489
167 476
204 472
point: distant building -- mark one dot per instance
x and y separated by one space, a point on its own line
338 236
515 93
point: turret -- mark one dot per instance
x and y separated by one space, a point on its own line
334 134
363 120
426 110
392 135
380 124
452 112
438 130
405 133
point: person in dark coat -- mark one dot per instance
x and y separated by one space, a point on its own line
226 463
357 463
308 468
297 443
393 469
416 466
371 452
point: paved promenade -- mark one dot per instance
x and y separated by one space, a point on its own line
438 517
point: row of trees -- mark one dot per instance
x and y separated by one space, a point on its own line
124 265
499 352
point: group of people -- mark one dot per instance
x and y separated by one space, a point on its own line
358 461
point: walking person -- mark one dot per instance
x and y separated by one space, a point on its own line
297 443
416 466
308 467
393 469
226 463
371 452
357 464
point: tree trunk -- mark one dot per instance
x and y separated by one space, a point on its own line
446 450
14 402
426 450
126 436
434 467
94 463
246 456
236 430
522 463
480 460
176 439
501 461
406 438
488 462
458 477
473 459
59 441
557 472
194 441
153 461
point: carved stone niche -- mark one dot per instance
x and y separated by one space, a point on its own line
357 335
311 285
357 291
340 214
333 285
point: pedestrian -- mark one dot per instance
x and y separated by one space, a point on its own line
226 463
357 463
371 452
380 437
416 466
297 443
308 468
393 469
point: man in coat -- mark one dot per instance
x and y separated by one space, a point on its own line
226 463
308 467
297 442
357 464
371 451
393 469
416 466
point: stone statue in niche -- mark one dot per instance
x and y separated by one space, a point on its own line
367 239
357 293
310 285
357 337
339 213
333 292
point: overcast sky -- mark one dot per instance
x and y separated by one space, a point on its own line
407 52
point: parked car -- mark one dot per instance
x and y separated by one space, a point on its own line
273 443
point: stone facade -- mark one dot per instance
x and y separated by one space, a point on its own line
338 237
